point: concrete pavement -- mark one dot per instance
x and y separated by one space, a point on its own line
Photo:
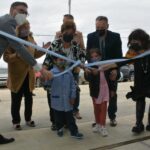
41 137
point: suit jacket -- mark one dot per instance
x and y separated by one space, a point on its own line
113 44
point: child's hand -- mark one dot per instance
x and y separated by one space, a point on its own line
107 66
76 70
72 102
46 75
113 75
112 94
87 71
94 71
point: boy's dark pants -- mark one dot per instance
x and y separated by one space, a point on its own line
62 117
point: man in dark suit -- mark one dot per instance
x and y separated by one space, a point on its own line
110 45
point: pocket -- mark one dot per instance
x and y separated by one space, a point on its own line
55 96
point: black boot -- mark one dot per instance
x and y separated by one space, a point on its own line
148 125
4 140
138 128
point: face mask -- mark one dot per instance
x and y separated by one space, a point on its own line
61 64
101 32
135 46
68 38
20 18
24 33
95 60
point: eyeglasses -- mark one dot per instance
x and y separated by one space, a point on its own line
22 11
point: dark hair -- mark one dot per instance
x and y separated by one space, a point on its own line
69 16
18 4
99 18
68 25
140 35
94 50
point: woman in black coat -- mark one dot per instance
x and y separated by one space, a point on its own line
138 42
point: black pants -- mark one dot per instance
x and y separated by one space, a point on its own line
16 102
140 109
61 117
77 100
112 107
51 111
149 115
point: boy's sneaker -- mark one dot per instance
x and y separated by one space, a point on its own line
148 127
103 131
138 128
96 128
53 127
60 132
77 135
17 126
30 123
93 124
113 122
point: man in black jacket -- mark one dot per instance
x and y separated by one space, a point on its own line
110 45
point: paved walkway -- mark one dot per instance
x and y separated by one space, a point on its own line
42 138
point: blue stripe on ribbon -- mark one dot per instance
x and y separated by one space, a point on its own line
75 63
35 46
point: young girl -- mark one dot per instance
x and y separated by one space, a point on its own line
99 91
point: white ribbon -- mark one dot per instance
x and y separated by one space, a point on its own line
104 62
75 63
35 46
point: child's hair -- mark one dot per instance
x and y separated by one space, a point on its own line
95 50
58 52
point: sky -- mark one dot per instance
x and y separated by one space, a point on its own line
46 17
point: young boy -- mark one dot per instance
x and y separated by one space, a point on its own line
63 94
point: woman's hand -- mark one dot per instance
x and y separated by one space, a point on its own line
47 45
